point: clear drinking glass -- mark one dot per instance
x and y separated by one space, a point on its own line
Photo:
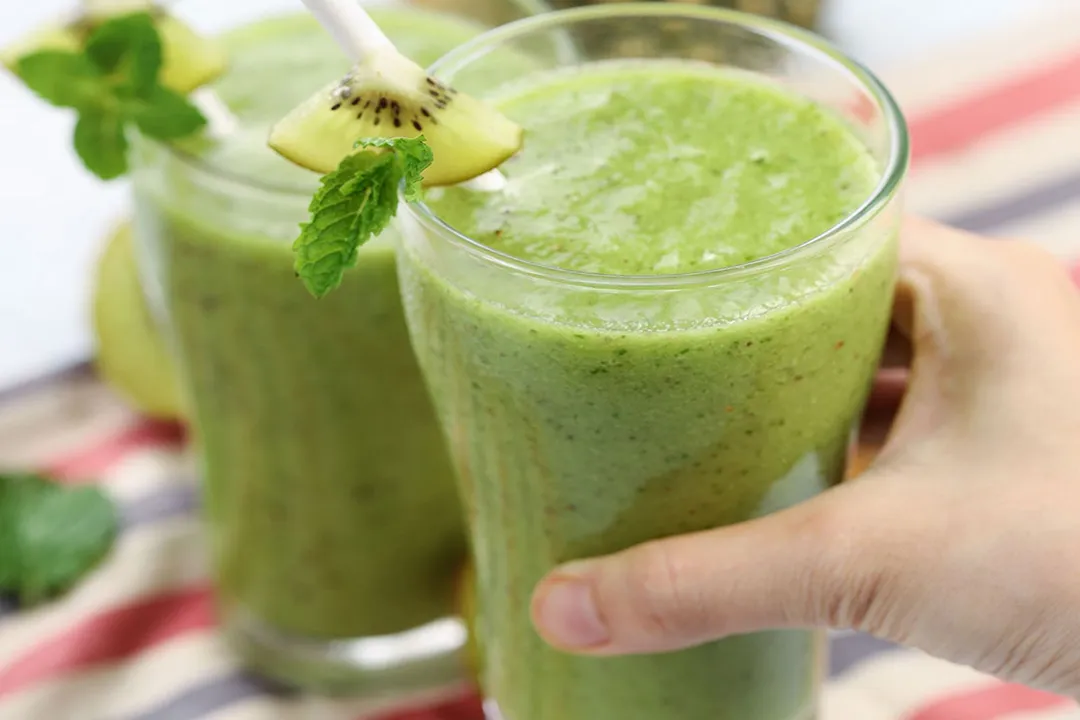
335 531
587 412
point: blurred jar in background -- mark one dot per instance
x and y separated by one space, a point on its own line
799 12
668 38
805 13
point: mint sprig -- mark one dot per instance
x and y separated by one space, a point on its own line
112 83
50 535
355 203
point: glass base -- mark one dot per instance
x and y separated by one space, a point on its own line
427 658
491 712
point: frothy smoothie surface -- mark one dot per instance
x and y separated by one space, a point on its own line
654 167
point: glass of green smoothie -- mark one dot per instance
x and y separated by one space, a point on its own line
334 526
666 319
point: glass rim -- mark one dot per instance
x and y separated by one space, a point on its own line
783 33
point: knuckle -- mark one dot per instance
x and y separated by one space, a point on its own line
663 603
848 578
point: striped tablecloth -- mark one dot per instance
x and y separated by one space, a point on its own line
996 128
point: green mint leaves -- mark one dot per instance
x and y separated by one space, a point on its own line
50 535
61 78
355 203
112 83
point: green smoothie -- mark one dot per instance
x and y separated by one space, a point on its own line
330 498
590 413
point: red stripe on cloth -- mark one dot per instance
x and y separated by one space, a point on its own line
112 635
468 707
81 464
988 703
956 125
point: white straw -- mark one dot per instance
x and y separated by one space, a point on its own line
350 26
491 181
220 119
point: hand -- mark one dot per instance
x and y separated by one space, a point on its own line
961 538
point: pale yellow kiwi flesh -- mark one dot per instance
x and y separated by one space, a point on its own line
394 97
190 60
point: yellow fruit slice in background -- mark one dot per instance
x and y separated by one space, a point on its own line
131 354
189 60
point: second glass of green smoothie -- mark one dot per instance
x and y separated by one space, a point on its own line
335 531
666 320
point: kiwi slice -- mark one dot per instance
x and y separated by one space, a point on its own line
388 95
52 36
189 60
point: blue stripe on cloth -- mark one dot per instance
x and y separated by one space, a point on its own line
1029 203
179 498
848 650
210 696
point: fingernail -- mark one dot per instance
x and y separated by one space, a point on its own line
566 612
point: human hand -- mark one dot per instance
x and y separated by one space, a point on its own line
961 538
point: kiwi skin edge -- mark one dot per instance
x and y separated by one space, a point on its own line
389 96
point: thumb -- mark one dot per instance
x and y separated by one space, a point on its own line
826 562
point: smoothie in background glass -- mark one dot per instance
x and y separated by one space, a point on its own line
333 519
667 321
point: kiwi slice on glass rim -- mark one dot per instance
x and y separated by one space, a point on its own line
387 95
189 59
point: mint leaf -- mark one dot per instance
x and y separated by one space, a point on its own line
353 204
415 156
349 207
165 115
50 536
64 79
101 143
128 45
113 81
15 492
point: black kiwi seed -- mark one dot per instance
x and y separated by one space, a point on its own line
397 123
359 114
431 81
376 120
417 125
356 101
433 93
424 112
336 106
382 103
